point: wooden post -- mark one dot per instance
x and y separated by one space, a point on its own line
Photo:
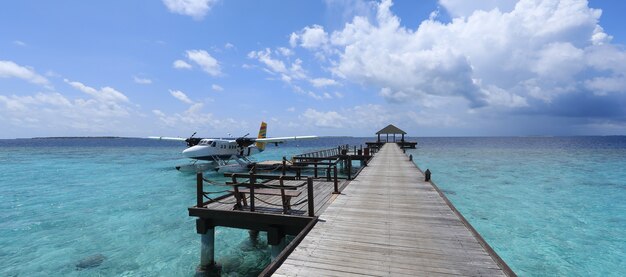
315 167
207 251
283 198
199 190
349 168
366 151
411 157
309 190
336 181
427 175
328 174
252 184
207 246
276 240
284 165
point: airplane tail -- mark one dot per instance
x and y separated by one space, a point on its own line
262 134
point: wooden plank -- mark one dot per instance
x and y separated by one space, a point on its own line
389 222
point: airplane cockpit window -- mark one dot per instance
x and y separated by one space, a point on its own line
213 144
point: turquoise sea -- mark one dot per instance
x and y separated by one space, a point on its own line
548 206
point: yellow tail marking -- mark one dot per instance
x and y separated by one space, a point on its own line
262 134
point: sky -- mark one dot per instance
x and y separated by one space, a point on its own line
328 68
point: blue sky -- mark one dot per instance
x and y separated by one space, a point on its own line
433 68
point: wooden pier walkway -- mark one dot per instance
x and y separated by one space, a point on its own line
390 222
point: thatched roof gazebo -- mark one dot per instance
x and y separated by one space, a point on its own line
391 130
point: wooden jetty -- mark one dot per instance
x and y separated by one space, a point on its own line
384 219
390 222
282 204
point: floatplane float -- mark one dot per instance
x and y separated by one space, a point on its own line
218 154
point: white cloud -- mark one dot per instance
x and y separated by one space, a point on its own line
203 59
105 94
330 119
9 69
181 96
504 56
291 109
312 37
19 43
604 85
229 45
197 9
274 65
321 96
217 87
293 40
100 111
323 82
180 64
195 119
458 8
142 81
285 51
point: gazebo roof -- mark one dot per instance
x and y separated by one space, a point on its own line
390 129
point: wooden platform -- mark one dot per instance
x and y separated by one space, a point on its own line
267 204
389 222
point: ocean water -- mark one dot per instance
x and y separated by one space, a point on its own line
116 202
548 206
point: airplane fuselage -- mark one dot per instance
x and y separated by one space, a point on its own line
212 149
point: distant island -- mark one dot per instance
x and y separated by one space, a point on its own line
102 137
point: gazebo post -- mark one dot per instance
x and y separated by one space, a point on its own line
387 138
402 138
378 138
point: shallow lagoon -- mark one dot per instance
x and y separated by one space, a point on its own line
548 206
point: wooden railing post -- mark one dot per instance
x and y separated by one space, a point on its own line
328 174
349 168
252 184
283 198
199 190
336 181
309 188
284 165
315 166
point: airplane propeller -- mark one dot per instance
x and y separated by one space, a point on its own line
191 141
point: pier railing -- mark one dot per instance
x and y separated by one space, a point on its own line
254 182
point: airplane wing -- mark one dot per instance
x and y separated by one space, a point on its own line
168 138
279 139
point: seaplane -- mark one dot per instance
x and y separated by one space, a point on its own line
217 154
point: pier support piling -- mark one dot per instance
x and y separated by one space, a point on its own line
254 236
276 240
207 247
